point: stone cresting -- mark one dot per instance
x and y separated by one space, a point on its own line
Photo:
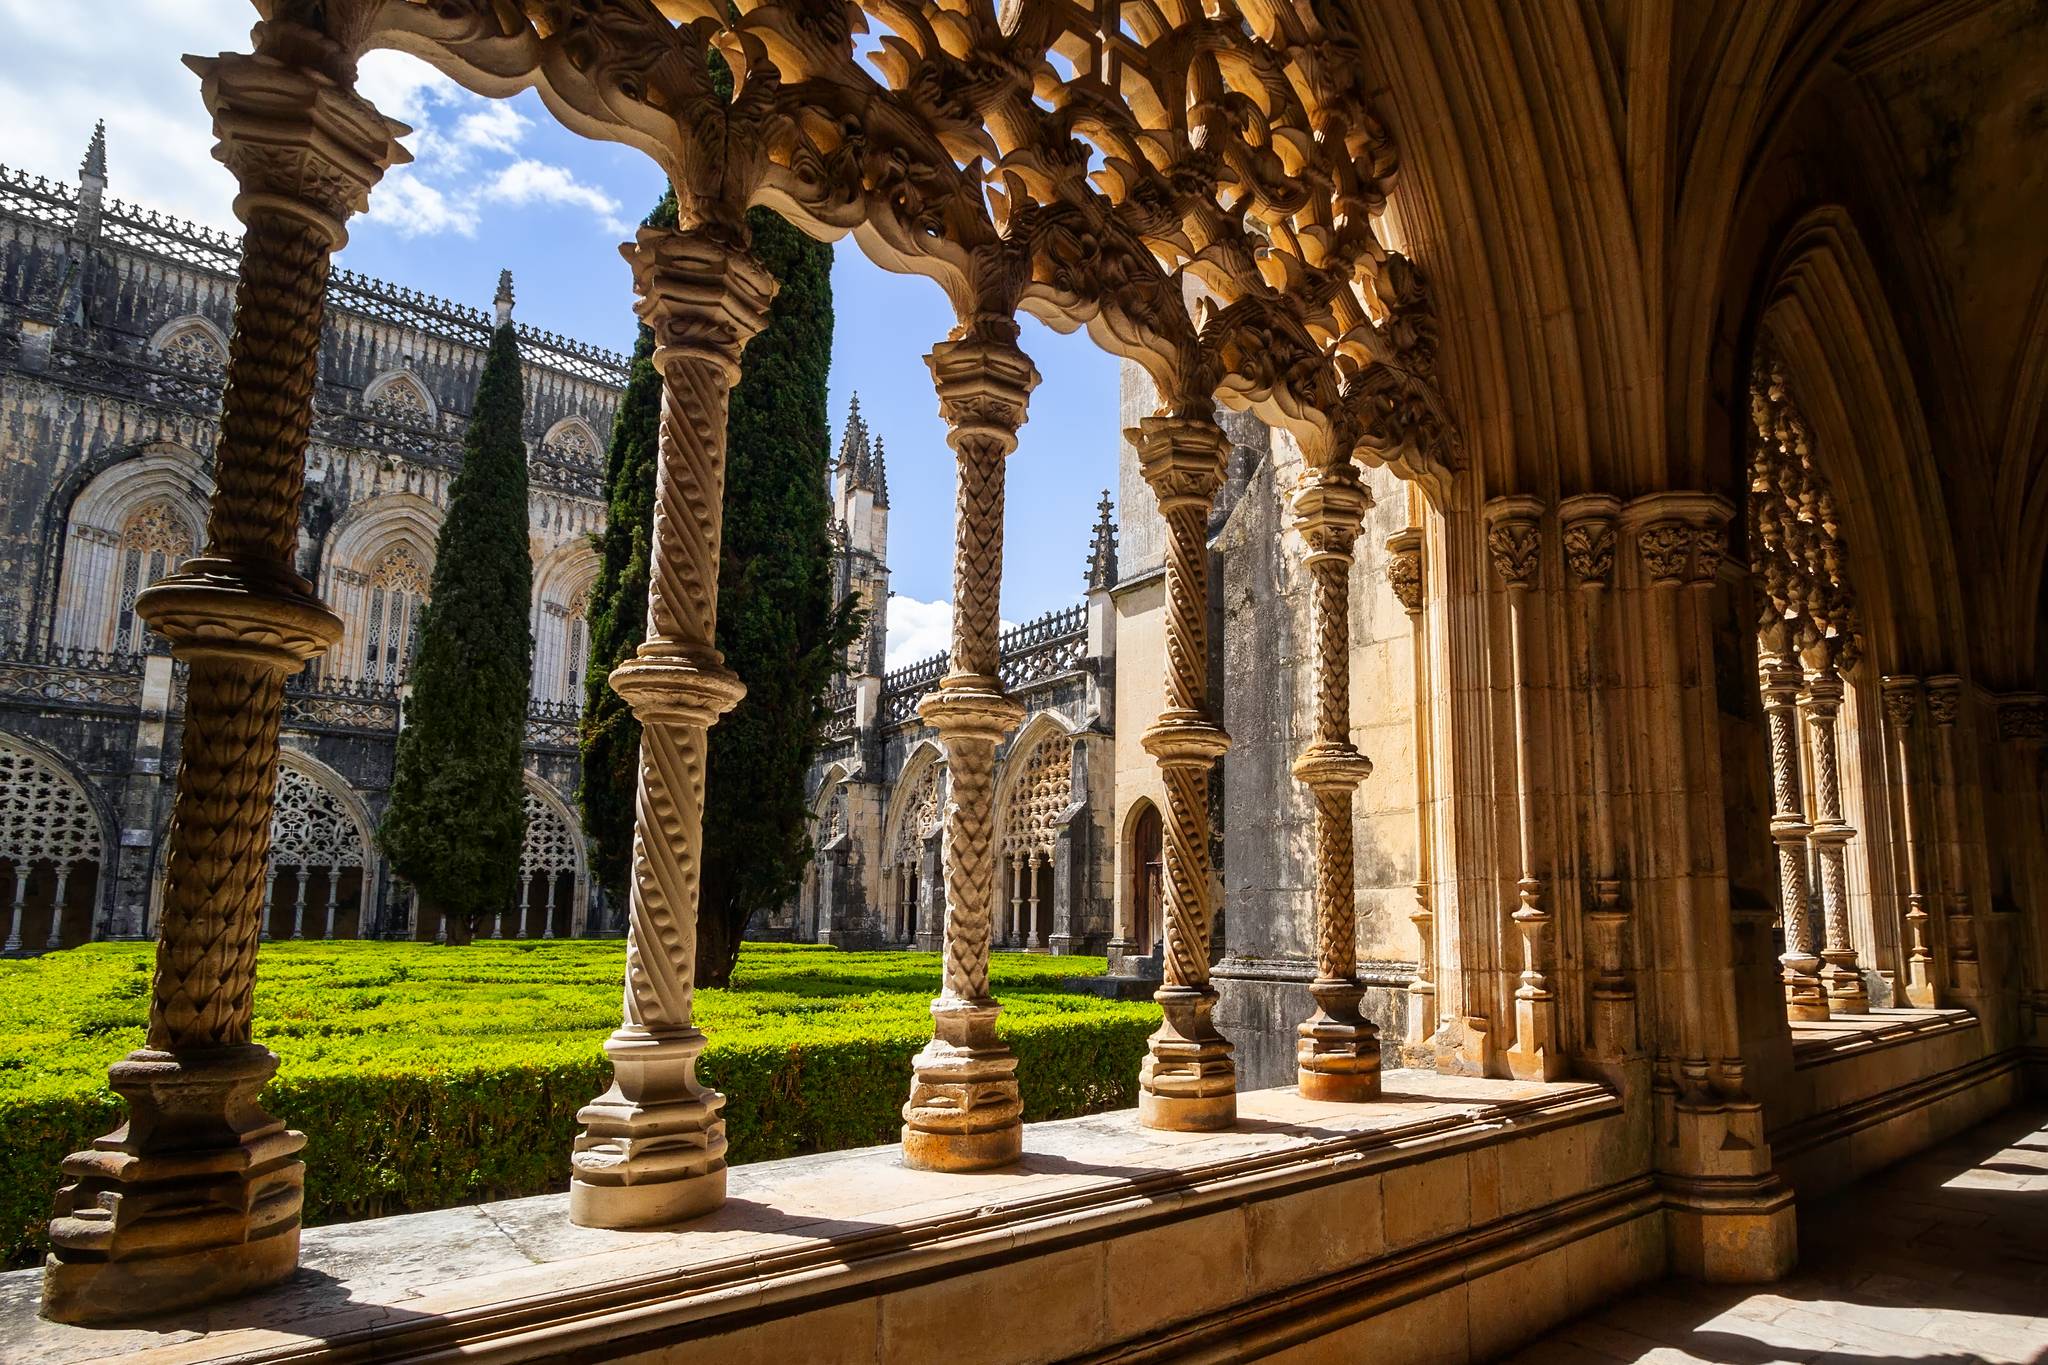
198 1195
653 1146
965 1111
1339 1053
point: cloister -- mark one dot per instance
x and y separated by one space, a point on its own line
1709 345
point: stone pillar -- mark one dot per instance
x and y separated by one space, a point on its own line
652 1149
197 1196
1187 1080
1338 1057
1923 970
1588 522
1404 573
1778 679
964 1111
1514 541
1944 704
1820 703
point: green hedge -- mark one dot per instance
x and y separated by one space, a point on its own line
425 1076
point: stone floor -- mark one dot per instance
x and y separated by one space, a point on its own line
1941 1260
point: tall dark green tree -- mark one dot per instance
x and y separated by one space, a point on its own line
779 626
457 816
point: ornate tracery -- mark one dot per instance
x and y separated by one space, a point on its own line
550 863
923 810
1039 794
50 845
315 834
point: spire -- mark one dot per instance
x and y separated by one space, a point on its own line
503 301
881 473
854 452
94 167
1102 571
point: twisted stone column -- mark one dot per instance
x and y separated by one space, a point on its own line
1820 702
1944 705
1338 1057
1514 541
652 1149
1187 1080
1923 970
1588 521
1778 678
964 1111
1404 573
197 1196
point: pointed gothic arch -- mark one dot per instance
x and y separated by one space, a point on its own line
916 813
1033 793
561 630
401 393
53 846
576 439
377 575
554 868
130 525
322 874
191 342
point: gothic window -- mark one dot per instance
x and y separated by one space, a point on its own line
318 853
50 852
549 860
397 592
155 538
401 396
193 346
923 809
834 823
1041 792
571 440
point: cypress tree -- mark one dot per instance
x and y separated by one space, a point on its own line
457 816
778 625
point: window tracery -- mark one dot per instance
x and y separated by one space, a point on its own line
401 396
193 347
550 845
1041 793
311 827
397 593
154 538
49 840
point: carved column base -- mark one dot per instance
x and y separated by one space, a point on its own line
1728 1218
1338 1057
1187 1082
1846 992
652 1149
1806 999
195 1199
1534 1057
964 1112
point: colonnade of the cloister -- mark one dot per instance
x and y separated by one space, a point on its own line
1572 901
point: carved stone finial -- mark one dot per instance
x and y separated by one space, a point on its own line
1102 565
503 301
94 167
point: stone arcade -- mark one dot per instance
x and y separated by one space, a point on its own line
1696 355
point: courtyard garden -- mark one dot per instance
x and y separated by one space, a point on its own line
425 1076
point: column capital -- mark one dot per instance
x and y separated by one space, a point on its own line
984 386
701 292
1681 535
1182 458
1588 520
1514 538
1404 568
1337 767
1329 507
299 142
1944 698
1901 693
2023 717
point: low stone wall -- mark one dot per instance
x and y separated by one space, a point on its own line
1260 1005
1457 1217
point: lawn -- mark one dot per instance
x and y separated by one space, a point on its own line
425 1075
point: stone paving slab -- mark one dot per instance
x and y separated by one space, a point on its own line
1940 1260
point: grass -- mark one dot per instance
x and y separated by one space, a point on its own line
425 1075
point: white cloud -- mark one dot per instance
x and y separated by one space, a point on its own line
497 126
918 630
536 182
413 208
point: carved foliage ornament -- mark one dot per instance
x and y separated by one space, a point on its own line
1796 547
1093 171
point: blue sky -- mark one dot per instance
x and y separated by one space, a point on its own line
499 184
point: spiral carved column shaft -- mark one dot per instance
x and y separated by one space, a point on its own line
964 1111
1339 1049
1944 707
652 1149
198 1195
1820 702
1187 1080
1778 681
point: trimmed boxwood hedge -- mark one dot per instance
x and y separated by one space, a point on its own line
425 1076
